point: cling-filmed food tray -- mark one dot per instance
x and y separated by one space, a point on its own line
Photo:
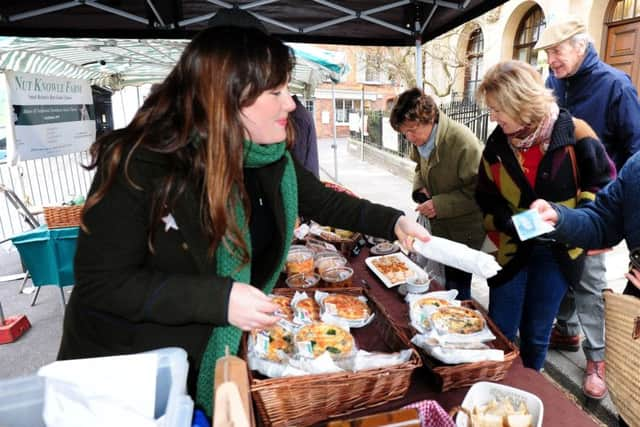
314 398
393 269
449 377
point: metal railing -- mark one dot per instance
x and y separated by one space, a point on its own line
464 111
469 113
41 182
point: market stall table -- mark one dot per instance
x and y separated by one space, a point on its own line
559 410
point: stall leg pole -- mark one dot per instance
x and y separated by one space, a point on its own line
24 281
62 295
35 297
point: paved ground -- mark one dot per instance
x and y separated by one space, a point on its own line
39 345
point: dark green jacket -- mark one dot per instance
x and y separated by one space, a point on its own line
450 176
129 299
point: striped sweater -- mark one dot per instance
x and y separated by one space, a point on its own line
572 170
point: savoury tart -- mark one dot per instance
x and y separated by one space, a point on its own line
324 337
310 307
278 339
457 320
346 306
284 303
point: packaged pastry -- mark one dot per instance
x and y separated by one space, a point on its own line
431 302
314 339
284 304
273 343
307 310
348 307
457 320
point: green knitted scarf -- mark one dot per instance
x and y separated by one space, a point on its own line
229 263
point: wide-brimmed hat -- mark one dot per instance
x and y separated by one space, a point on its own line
560 31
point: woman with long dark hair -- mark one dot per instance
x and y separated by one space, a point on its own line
192 209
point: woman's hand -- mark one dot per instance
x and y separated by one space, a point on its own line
406 230
546 211
633 276
427 209
249 308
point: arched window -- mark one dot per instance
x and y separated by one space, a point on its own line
473 72
624 9
527 35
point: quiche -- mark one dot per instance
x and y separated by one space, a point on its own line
285 310
269 341
430 301
346 306
310 308
323 337
457 320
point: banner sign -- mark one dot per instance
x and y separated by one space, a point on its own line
47 116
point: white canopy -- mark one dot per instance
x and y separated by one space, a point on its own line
115 63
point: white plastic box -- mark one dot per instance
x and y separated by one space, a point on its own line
483 392
22 399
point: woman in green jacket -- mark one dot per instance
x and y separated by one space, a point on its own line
192 209
447 156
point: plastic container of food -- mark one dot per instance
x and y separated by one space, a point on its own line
418 283
338 277
299 261
326 253
328 262
302 280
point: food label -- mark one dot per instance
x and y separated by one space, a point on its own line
331 308
262 343
302 316
305 348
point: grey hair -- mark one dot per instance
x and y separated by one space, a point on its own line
582 40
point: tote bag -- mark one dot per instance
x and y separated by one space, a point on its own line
622 354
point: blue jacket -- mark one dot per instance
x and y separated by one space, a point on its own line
605 98
612 217
305 148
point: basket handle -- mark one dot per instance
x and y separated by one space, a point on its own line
636 328
454 411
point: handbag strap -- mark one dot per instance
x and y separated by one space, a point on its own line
574 167
636 328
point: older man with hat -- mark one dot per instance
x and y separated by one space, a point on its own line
605 98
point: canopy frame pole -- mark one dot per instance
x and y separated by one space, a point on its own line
362 126
335 132
419 72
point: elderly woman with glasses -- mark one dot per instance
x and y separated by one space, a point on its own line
447 155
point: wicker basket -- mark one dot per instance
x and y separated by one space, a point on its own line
309 399
622 354
345 246
466 374
63 216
